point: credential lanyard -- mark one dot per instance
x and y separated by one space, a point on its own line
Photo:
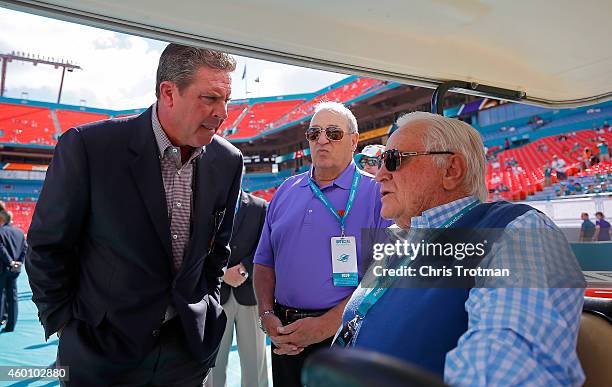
377 292
349 204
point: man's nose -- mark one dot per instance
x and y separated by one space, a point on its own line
322 137
382 174
220 111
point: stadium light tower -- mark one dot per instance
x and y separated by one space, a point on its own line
20 56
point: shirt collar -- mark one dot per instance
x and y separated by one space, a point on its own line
435 217
162 140
344 181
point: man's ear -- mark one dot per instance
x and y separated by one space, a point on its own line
455 172
167 92
354 140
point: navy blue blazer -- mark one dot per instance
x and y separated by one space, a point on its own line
100 249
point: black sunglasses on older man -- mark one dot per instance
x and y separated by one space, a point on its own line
392 158
333 133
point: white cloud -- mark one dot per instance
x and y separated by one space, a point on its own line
118 70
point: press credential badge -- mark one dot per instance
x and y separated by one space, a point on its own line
344 261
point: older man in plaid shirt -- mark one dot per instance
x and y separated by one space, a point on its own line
498 331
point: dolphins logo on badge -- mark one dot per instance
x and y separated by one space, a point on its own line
343 257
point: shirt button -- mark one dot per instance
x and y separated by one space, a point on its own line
309 211
174 150
155 333
174 236
178 204
178 172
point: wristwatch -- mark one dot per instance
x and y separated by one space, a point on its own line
261 315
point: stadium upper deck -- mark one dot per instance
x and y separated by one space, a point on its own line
269 130
39 123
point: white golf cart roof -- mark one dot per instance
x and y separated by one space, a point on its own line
546 52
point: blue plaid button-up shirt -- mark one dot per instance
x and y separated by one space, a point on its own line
516 336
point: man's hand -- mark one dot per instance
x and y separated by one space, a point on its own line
306 331
233 276
272 323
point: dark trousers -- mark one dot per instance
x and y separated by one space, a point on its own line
8 297
287 369
169 363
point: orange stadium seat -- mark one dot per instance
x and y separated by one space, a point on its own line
26 125
70 118
22 213
342 93
233 113
265 194
532 161
260 115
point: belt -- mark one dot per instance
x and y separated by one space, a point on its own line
289 315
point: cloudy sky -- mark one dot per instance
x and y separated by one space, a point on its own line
118 70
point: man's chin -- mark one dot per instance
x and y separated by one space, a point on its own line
386 213
323 163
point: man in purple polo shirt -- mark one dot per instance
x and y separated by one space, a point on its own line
307 261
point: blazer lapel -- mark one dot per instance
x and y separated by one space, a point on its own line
146 172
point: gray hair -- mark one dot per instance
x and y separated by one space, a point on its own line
179 64
448 134
340 109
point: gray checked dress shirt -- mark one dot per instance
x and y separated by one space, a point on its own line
177 178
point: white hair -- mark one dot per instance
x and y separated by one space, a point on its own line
340 109
449 134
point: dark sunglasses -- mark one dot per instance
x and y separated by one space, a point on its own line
372 162
332 133
392 158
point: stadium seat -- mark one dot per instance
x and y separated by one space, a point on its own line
532 161
26 125
22 213
234 111
343 93
259 116
71 118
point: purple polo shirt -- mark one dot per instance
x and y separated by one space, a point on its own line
296 237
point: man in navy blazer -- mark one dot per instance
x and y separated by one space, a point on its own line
131 233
